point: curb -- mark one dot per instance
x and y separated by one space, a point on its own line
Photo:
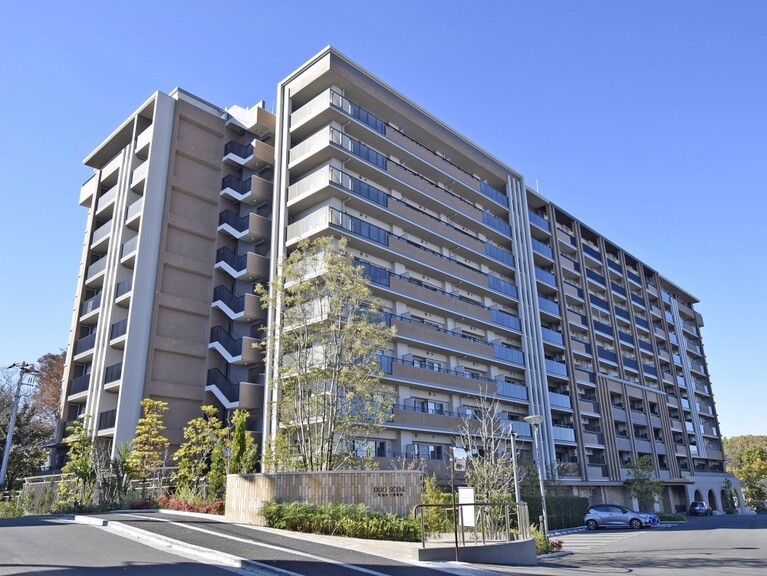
555 554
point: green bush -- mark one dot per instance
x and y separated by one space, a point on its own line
351 520
664 517
562 511
8 510
542 544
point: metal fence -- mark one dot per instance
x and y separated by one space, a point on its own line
473 523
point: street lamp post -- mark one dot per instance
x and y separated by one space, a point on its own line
535 420
513 438
24 369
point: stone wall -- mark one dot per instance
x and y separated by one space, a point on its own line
394 491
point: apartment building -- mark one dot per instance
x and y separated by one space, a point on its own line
178 233
493 289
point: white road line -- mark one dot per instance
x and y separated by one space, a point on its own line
269 546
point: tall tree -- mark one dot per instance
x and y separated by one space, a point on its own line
26 456
746 458
642 483
239 443
147 455
327 374
81 460
47 394
193 457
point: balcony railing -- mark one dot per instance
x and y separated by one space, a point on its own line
237 263
559 400
545 277
357 112
118 329
124 286
113 373
79 384
554 367
548 305
538 220
107 419
90 305
225 384
234 183
231 344
241 150
85 343
235 303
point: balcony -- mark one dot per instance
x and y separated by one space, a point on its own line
85 344
128 252
538 220
452 380
79 385
117 332
552 336
546 277
556 368
113 374
422 293
142 143
123 290
255 155
133 214
542 248
223 386
138 178
568 469
90 305
562 434
251 227
246 307
548 306
107 420
560 400
106 200
250 266
234 350
253 191
96 268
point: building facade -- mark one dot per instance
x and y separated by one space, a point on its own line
494 290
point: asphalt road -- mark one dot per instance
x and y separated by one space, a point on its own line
704 546
44 546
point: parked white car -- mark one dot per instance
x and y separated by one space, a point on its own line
604 515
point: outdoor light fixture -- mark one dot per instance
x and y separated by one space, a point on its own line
535 420
513 438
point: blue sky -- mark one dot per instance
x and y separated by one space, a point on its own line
647 120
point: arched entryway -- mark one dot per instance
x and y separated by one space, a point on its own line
712 500
698 496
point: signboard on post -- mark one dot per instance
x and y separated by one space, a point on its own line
466 496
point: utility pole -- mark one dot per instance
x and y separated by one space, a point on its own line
24 369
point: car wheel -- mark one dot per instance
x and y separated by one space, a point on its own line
635 523
709 513
592 524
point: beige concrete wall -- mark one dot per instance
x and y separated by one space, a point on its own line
393 491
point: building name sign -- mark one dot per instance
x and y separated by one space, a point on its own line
389 491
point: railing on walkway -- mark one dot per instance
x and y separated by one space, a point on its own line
473 523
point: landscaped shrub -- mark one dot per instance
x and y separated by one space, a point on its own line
351 520
9 510
562 511
664 517
173 503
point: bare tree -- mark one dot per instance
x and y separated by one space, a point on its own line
490 467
